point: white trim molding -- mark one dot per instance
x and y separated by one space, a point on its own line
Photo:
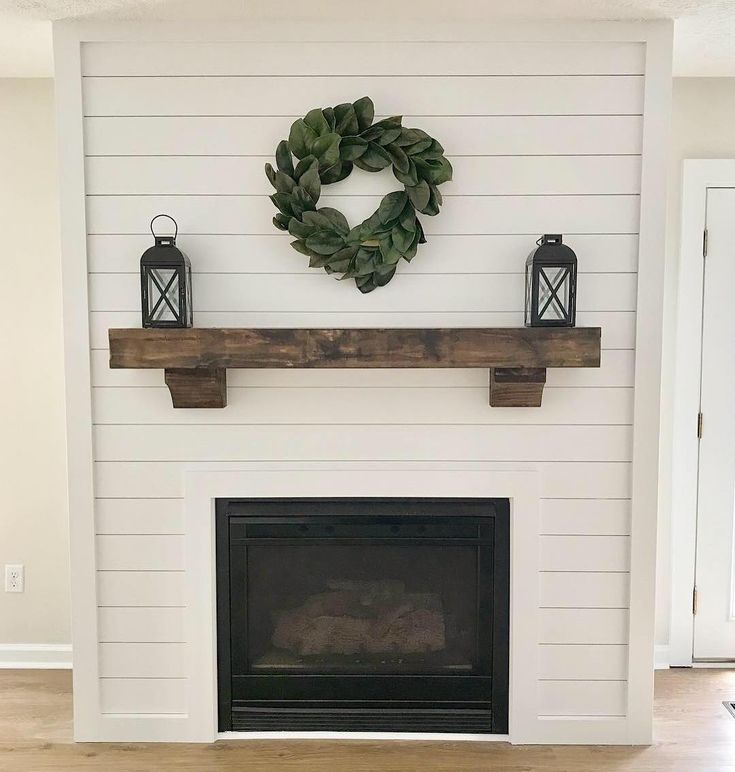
698 175
35 656
661 657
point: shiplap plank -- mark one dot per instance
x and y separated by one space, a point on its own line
132 552
583 590
434 95
614 253
310 293
582 698
473 176
584 553
616 371
142 660
362 443
140 588
586 625
593 662
142 696
160 479
141 625
585 516
469 135
459 215
139 516
373 58
369 405
618 327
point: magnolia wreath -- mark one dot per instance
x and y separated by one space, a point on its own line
328 143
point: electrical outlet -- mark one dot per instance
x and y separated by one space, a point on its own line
14 578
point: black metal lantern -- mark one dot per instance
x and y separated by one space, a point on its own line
551 284
165 282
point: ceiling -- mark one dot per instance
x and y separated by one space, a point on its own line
704 41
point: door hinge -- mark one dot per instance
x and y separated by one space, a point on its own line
700 424
694 601
704 243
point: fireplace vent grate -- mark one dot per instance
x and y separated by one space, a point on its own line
360 720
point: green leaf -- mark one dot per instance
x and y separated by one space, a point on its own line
408 218
411 137
341 261
311 183
376 156
336 173
301 138
410 178
317 220
419 147
270 173
318 261
360 164
316 121
389 135
326 149
390 255
364 112
283 183
351 148
346 120
281 222
325 242
299 229
304 165
391 206
301 202
337 219
328 113
284 161
382 279
299 246
400 160
402 239
419 195
283 202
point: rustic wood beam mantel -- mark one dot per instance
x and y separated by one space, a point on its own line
196 359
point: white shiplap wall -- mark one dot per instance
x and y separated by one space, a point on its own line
544 137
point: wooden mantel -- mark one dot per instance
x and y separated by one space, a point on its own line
195 360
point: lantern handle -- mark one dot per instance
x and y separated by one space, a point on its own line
176 225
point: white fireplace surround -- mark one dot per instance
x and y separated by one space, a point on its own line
202 488
557 126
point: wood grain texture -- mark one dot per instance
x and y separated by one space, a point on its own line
517 386
197 386
329 348
692 733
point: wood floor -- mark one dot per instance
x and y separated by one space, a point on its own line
694 733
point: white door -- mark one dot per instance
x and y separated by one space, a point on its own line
714 621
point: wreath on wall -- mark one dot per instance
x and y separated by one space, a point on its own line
328 143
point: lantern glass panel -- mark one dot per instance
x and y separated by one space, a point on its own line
554 293
163 294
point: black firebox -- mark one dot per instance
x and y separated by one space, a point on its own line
363 614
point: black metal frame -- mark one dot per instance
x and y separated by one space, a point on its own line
365 701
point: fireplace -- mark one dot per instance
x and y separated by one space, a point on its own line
363 614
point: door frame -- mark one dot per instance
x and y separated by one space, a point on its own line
698 175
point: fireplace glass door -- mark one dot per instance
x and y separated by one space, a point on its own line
382 614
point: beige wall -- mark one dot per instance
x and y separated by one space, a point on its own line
33 515
703 127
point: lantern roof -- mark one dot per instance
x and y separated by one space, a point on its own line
552 251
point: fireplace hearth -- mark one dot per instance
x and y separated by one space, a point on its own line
363 614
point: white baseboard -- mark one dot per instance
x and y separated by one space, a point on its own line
47 656
661 657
